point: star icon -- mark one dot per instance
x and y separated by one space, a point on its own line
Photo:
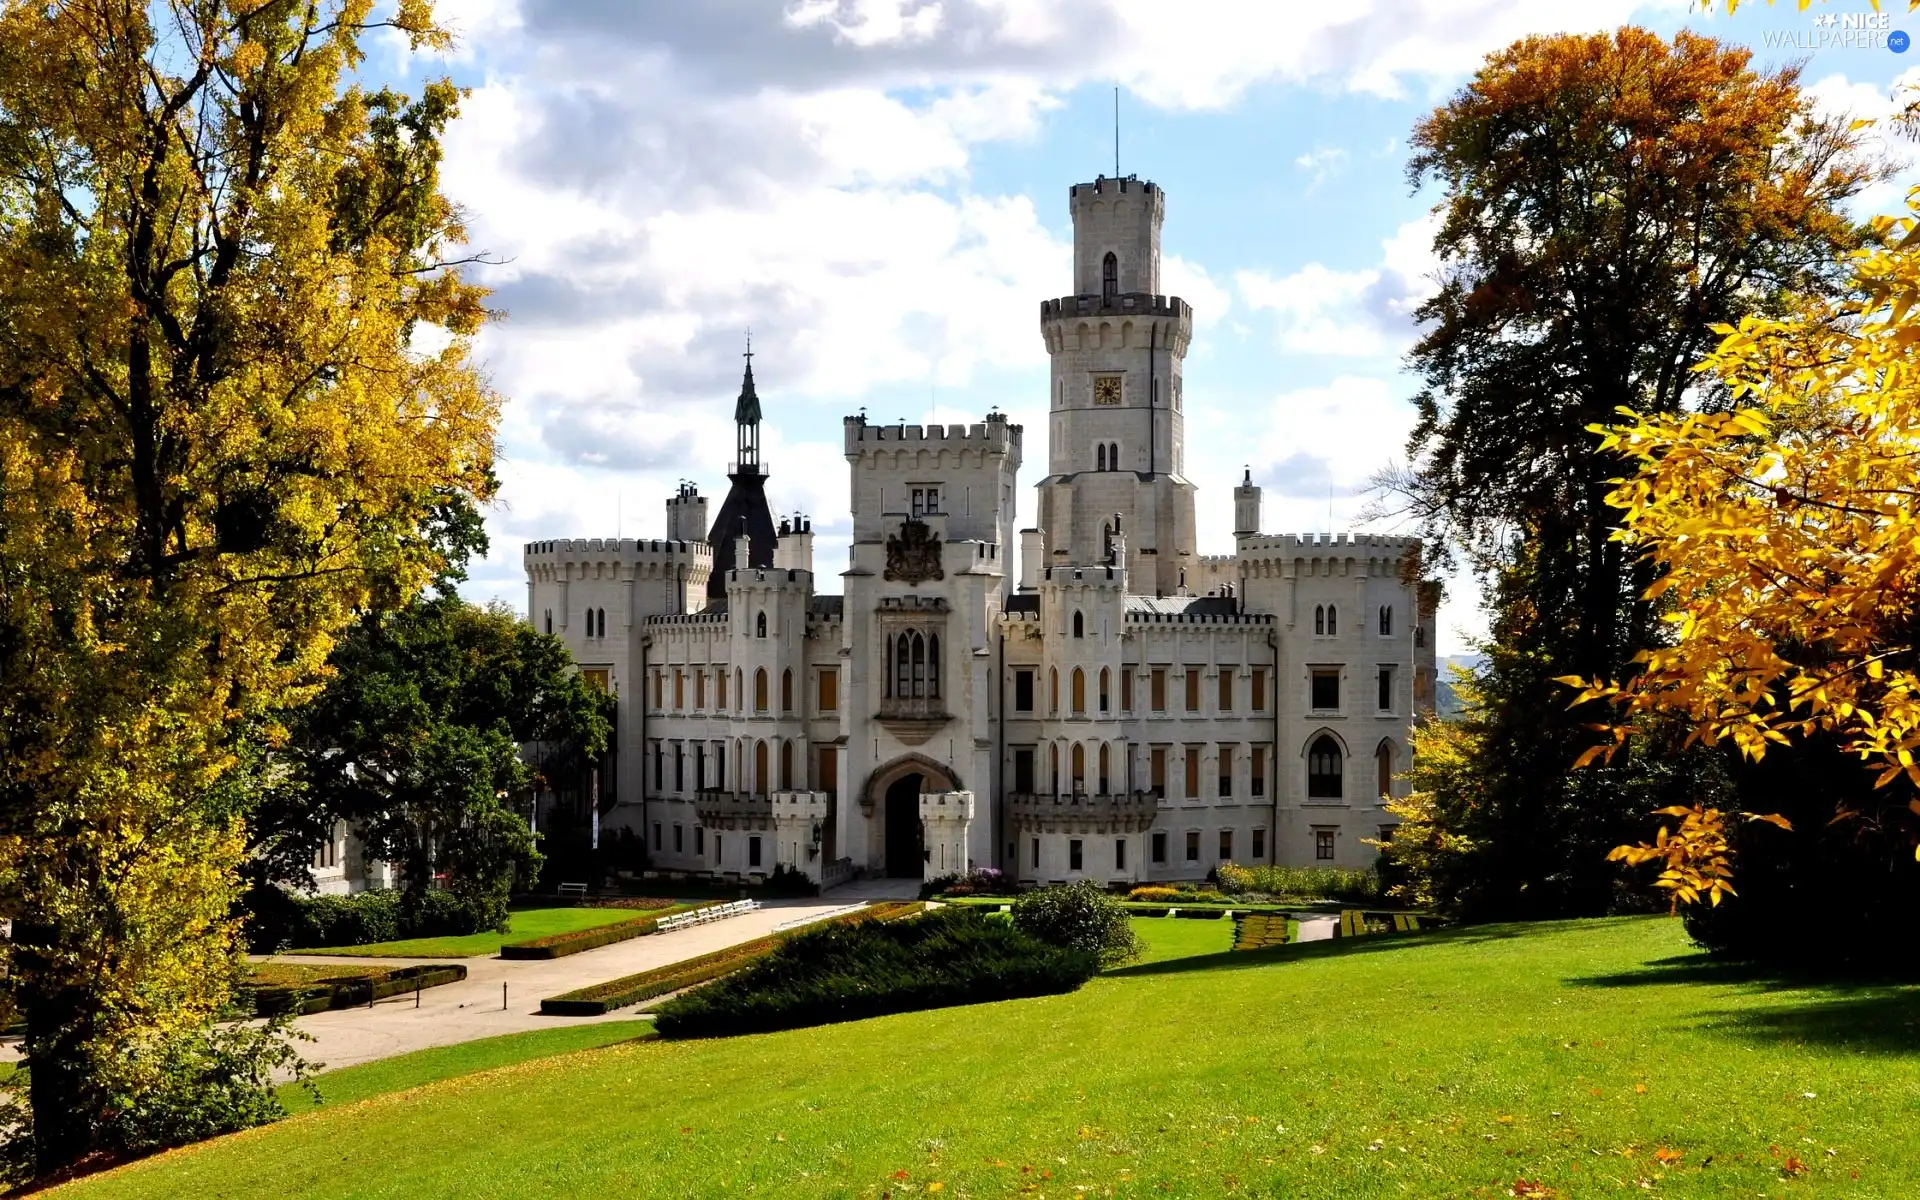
1824 20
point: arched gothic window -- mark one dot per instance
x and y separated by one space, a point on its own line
760 768
1100 456
1113 456
1383 769
786 766
786 691
1386 619
1103 690
549 621
1079 625
1104 760
739 690
1333 621
1079 690
916 666
1079 767
1323 769
1053 689
760 690
603 622
1053 767
1110 275
760 625
1320 618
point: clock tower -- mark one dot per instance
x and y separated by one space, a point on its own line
1116 440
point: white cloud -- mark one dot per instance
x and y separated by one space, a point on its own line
1321 162
1318 310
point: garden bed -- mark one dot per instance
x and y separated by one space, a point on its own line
346 990
559 945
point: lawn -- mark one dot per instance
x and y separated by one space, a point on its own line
1592 1058
1167 938
405 1071
296 975
523 923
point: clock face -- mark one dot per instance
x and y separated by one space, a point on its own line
1106 389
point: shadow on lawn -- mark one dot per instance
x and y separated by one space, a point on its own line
1867 1013
1376 943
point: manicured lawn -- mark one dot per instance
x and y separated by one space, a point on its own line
446 1062
1596 1058
286 974
524 923
1176 937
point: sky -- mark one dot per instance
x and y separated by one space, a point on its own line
878 190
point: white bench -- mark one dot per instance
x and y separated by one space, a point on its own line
577 891
701 916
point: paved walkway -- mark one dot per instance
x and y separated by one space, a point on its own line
472 1008
1318 928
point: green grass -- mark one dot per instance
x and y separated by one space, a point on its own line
1168 938
405 1071
1441 1064
294 975
523 923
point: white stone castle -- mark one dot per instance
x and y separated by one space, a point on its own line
1121 708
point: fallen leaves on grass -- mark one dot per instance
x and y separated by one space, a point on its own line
1665 1155
1529 1188
1793 1168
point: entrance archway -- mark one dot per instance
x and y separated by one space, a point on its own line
892 802
906 839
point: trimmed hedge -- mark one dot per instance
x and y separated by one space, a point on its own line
349 993
1258 931
1200 914
277 918
602 998
871 968
559 945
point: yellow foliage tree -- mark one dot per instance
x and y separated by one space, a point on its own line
1788 541
218 441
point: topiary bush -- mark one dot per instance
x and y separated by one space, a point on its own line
981 881
870 968
1078 916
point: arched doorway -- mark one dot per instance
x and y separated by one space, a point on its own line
906 839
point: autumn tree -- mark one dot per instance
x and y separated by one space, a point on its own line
416 744
223 433
1784 535
1606 201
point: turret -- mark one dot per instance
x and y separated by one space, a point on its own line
687 514
745 514
1246 507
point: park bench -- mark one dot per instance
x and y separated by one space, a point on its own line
701 916
1406 923
577 891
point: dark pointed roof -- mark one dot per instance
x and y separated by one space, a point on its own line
747 410
745 511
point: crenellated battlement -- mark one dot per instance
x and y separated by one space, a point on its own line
1299 542
1168 618
699 618
600 558
1270 555
1100 576
1145 304
770 577
994 435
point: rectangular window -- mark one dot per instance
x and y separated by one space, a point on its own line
1386 689
1226 845
1193 689
1193 845
1258 784
679 838
1193 773
1326 688
720 769
1226 689
699 765
1023 771
720 688
679 689
1126 689
1073 854
926 500
699 689
1226 772
1119 854
829 690
1386 832
1259 690
659 685
679 767
659 766
1023 691
700 840
719 855
596 677
1036 854
829 781
753 851
1160 847
1323 845
1259 845
1159 696
1159 768
656 835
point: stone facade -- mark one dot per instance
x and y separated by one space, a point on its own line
1112 706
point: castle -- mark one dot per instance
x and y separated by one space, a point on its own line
1112 705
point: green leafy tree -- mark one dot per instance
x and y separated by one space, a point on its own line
1608 200
1079 916
219 444
416 744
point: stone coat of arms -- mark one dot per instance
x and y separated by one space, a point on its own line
914 556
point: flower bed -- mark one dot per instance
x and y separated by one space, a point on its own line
559 945
349 992
603 998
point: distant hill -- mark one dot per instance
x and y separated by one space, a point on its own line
1445 703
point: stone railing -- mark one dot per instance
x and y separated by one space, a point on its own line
1119 812
726 810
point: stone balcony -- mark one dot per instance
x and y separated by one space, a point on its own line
1118 812
733 810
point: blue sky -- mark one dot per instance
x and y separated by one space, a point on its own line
878 188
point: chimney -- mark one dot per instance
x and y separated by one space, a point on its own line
1032 556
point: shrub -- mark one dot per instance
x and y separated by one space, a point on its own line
1154 892
1200 914
1328 883
1079 916
949 957
278 919
789 881
559 945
